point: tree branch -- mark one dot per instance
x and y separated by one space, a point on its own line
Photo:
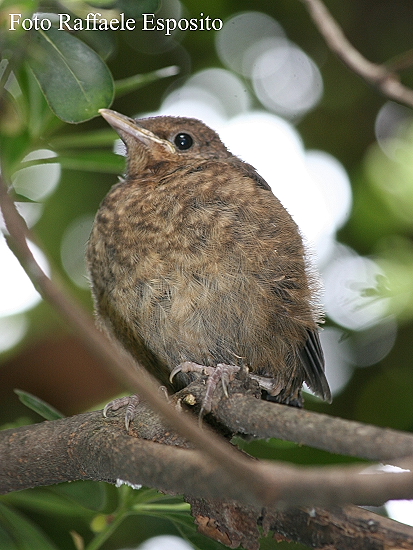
88 446
242 413
341 529
379 76
338 528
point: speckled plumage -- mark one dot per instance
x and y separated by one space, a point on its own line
192 258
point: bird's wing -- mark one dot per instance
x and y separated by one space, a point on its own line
313 362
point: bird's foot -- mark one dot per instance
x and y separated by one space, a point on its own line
221 373
130 402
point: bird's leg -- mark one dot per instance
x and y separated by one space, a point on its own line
221 372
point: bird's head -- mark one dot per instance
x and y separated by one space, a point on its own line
156 141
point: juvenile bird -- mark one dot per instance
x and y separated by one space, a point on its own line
195 263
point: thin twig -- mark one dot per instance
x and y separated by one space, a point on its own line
245 415
379 76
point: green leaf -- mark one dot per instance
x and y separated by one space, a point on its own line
17 532
103 43
93 161
44 501
38 405
38 118
88 494
137 81
150 502
66 499
5 540
96 138
90 161
74 79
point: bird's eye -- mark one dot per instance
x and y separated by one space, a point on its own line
183 141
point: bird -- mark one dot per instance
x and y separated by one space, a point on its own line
196 266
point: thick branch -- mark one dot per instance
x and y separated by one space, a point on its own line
91 447
341 529
377 75
337 528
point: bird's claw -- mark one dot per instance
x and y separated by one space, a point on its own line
130 402
221 372
190 366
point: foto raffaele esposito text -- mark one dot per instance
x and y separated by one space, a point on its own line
95 22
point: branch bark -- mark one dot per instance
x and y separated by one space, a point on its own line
243 414
379 76
91 447
88 446
338 528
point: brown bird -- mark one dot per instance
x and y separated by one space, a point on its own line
194 261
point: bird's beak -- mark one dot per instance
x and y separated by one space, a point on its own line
128 127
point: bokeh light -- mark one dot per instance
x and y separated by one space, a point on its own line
338 358
284 78
38 181
240 37
400 510
352 297
333 182
395 257
294 85
165 541
73 250
371 345
213 94
17 293
390 175
12 330
391 122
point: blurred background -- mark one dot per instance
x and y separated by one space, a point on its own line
337 154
